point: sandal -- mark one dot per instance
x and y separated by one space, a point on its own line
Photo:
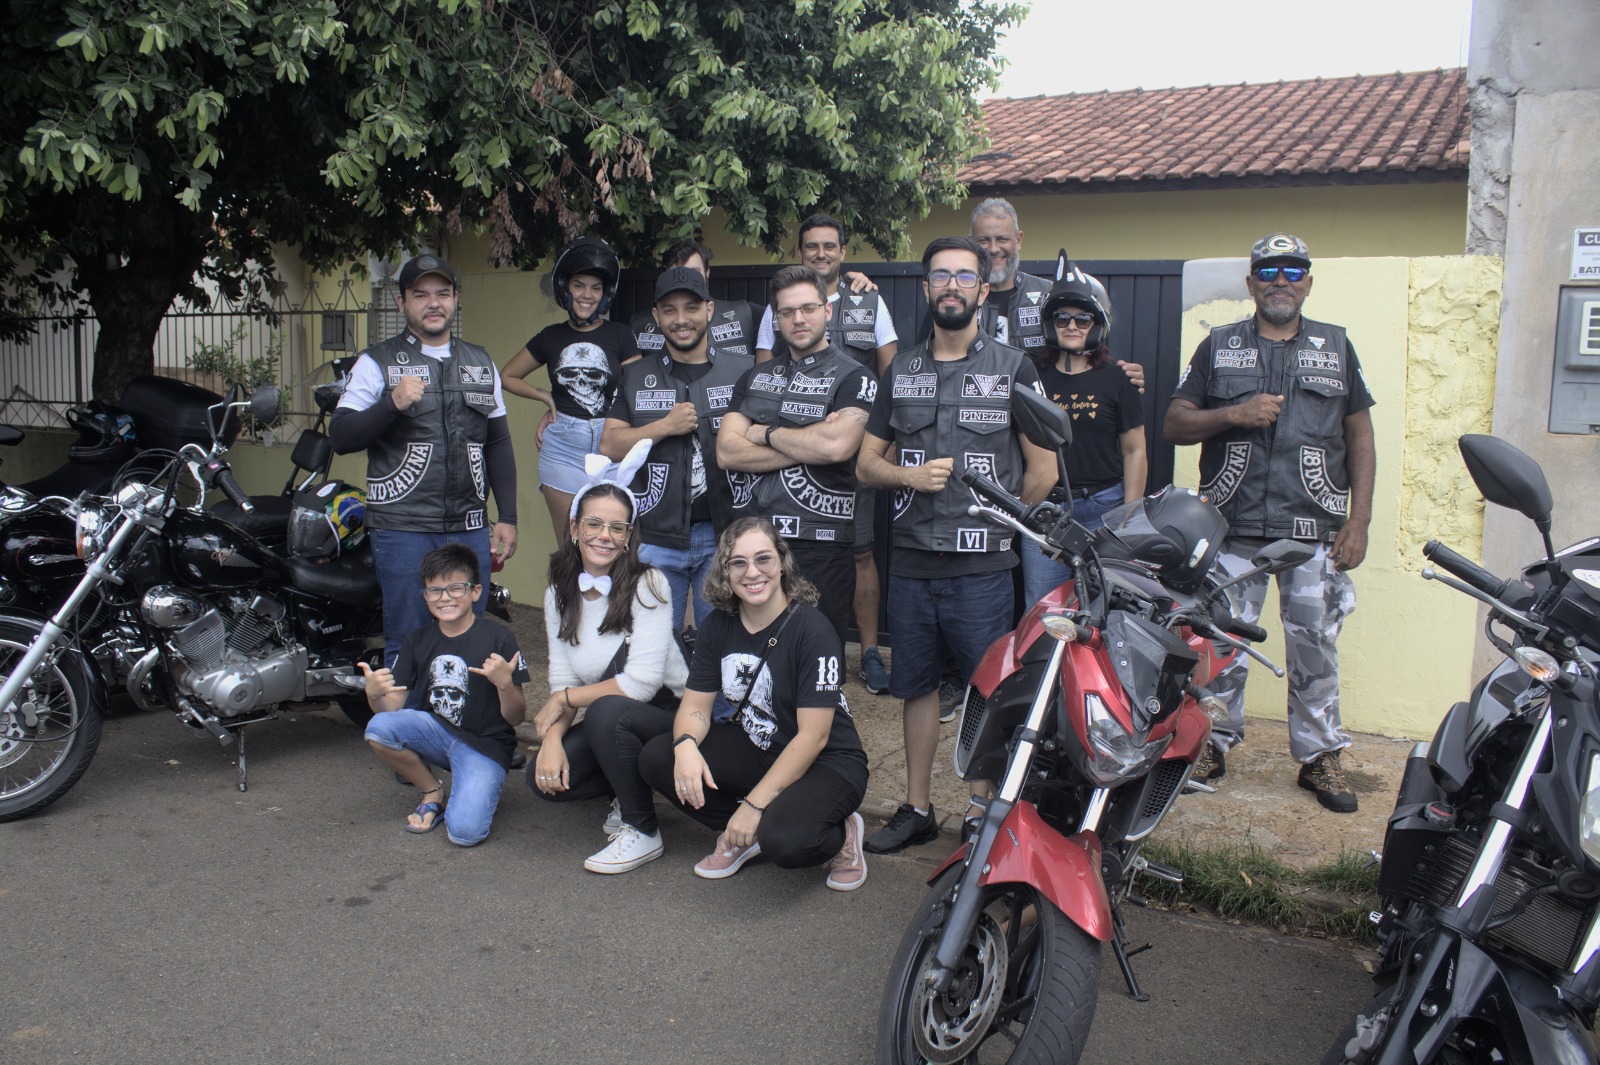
427 808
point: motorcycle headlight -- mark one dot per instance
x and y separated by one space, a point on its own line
1589 812
93 531
1113 755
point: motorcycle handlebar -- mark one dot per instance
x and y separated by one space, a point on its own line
1002 498
218 473
1245 631
1466 570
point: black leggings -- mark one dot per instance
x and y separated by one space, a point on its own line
603 757
803 826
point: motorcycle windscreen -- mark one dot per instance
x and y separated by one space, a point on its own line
1152 665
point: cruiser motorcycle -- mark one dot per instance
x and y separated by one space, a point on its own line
1090 715
1489 936
185 609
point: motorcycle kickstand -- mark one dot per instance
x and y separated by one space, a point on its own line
1122 953
240 762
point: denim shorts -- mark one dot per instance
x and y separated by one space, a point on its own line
475 778
866 518
963 614
566 442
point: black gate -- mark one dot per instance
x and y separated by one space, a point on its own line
1146 295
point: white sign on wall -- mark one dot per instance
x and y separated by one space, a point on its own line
1586 255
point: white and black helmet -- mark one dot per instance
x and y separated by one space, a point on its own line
587 255
1075 288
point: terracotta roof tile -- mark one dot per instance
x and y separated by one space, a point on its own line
1396 124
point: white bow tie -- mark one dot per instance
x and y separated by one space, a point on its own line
602 583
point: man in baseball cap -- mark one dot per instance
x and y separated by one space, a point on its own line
423 265
1280 248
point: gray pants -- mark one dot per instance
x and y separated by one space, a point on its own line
1313 600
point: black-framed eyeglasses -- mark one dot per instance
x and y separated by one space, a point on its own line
1291 274
435 592
617 530
1080 318
962 278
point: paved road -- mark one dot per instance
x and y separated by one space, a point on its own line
157 915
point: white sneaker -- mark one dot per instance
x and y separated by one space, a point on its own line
627 850
613 823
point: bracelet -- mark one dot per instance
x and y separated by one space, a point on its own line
768 437
566 697
753 806
685 738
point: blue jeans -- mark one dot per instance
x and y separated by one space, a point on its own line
1040 574
475 779
686 569
965 614
397 558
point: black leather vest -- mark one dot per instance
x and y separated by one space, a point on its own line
663 488
732 330
852 327
1025 324
426 472
806 501
959 409
1288 479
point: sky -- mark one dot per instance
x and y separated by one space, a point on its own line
1066 46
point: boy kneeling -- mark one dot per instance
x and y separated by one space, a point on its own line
462 719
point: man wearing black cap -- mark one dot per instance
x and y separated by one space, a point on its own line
426 407
1281 411
676 400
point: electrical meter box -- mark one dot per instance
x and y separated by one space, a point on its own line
1575 382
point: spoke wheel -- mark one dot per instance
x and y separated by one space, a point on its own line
49 733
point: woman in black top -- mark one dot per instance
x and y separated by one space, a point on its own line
784 777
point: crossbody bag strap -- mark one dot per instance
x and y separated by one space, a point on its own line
761 662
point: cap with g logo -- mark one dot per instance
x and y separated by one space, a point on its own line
1280 248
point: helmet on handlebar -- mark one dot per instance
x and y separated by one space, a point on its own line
1174 530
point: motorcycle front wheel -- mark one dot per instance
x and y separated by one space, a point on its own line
49 734
1023 993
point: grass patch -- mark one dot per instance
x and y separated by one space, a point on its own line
1246 883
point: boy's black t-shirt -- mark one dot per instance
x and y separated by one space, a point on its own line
433 668
1102 404
806 669
584 365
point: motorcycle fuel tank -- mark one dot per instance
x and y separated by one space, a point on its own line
38 549
210 553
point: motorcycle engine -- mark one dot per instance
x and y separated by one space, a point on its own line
234 662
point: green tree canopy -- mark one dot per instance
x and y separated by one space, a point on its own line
160 144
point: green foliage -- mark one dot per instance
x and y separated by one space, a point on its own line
166 144
228 362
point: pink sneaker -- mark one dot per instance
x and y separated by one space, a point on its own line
725 860
847 870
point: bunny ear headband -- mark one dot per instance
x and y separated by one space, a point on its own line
602 470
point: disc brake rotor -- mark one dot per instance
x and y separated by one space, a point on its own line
949 1025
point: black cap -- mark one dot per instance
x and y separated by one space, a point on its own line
427 264
1280 248
682 279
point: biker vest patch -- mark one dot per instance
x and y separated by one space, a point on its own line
403 479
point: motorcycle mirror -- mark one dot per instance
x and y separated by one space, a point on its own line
1041 420
1507 477
1281 555
264 404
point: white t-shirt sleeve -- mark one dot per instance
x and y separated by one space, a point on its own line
884 327
764 335
365 385
499 398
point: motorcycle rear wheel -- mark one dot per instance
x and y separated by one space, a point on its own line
1047 990
40 762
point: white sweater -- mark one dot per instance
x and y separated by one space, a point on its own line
653 655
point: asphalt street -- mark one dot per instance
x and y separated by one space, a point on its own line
156 914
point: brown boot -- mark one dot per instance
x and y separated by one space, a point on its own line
1325 776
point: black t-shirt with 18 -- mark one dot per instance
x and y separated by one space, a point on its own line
433 668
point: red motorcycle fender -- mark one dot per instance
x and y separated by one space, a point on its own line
1065 869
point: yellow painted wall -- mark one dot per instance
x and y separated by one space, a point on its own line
1426 331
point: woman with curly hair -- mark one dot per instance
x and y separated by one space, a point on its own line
613 656
783 777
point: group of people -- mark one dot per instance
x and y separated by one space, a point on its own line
711 475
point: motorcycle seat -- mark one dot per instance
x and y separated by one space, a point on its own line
268 523
350 580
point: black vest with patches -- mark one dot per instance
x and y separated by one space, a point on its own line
1287 479
806 501
426 472
959 409
663 489
1025 324
732 330
852 327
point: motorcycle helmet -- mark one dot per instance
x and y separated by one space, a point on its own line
1174 530
105 433
327 520
587 255
1074 288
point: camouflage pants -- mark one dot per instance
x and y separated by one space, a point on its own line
1313 601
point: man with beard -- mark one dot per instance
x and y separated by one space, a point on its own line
794 430
733 322
945 405
1281 412
427 409
676 398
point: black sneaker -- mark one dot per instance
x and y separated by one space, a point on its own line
1211 765
951 693
1325 776
906 828
873 672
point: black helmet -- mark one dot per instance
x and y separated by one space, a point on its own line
1074 288
1174 530
587 255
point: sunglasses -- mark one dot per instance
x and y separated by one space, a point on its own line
1079 318
1290 274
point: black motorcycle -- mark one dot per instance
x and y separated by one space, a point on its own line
1490 880
192 614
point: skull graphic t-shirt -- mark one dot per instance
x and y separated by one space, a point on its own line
436 671
583 365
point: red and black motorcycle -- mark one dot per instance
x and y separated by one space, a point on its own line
1089 716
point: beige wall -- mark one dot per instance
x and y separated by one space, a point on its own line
1426 331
